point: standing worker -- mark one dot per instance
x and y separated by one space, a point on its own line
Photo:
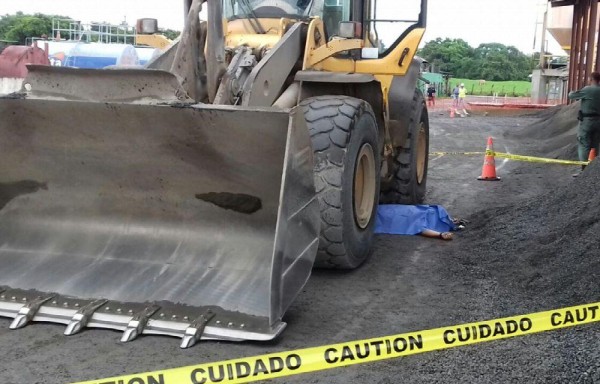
588 135
455 93
431 95
462 94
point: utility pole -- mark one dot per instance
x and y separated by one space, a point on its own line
543 42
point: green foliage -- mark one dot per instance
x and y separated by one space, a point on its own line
20 27
170 33
447 55
490 88
491 61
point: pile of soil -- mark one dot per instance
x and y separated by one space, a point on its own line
554 131
543 250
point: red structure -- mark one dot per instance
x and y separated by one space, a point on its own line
585 39
14 58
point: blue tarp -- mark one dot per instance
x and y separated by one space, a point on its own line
412 219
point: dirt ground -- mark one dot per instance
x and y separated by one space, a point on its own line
531 245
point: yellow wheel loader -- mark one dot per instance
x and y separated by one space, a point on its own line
192 198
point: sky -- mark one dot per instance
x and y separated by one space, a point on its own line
510 22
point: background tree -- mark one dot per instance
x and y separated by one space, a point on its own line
19 27
500 63
170 33
6 23
490 61
447 55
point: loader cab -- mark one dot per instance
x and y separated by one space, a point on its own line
381 24
261 9
333 12
387 22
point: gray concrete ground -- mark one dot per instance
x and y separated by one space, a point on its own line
409 284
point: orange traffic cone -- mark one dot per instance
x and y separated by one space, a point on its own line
592 155
488 173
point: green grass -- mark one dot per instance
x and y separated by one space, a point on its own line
502 88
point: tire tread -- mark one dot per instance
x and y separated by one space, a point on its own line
330 119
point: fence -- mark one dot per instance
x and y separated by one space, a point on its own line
490 103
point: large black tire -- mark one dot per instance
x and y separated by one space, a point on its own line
345 142
409 182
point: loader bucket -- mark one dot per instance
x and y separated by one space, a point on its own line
194 221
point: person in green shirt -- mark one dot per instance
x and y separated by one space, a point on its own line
588 135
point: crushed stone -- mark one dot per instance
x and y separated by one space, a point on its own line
546 248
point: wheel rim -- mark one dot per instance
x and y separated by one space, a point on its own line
364 186
421 153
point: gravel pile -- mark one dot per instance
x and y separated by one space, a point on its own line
554 131
544 251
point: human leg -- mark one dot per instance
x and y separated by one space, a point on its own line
595 136
584 140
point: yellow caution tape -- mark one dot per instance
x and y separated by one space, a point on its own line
457 153
510 156
281 364
532 159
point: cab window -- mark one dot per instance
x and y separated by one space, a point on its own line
388 20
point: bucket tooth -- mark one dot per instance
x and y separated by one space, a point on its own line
138 322
194 331
28 311
83 316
